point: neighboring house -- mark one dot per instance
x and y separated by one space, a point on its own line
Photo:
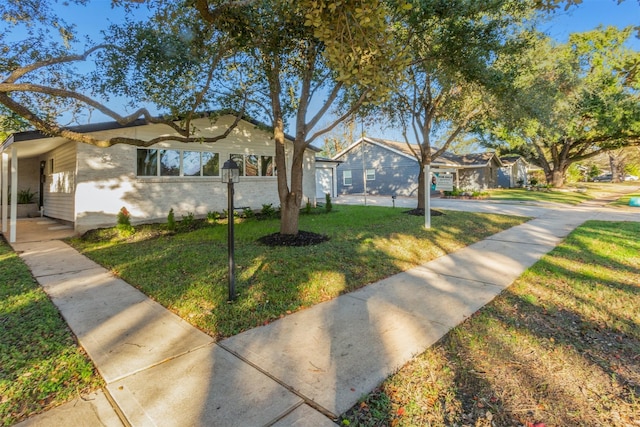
326 178
86 185
513 173
391 168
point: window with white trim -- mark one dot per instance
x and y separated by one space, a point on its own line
347 180
165 162
371 174
254 165
169 163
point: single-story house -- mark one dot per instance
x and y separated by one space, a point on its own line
513 172
379 166
86 186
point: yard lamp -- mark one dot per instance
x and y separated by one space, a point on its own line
230 175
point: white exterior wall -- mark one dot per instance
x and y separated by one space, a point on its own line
520 173
107 180
59 187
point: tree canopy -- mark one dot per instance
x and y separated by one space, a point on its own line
574 101
336 55
455 75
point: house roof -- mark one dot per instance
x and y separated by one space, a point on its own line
47 143
447 158
326 160
511 159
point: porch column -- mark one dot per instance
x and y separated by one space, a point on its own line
14 193
4 182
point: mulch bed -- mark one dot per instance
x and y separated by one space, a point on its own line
303 238
420 212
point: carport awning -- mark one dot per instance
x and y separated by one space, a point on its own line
30 144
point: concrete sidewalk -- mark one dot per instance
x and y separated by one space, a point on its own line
304 369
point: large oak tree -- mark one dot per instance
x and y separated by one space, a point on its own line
49 79
574 101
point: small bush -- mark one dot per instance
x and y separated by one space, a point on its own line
268 211
213 217
454 193
124 227
307 208
187 220
248 213
327 203
171 221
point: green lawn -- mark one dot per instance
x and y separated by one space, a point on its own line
558 348
624 200
187 272
570 196
41 365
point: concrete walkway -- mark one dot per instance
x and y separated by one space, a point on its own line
302 370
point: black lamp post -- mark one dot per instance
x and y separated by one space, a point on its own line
230 175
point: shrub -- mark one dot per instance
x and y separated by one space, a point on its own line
26 196
124 227
454 193
268 211
248 213
171 221
327 203
187 220
307 208
213 217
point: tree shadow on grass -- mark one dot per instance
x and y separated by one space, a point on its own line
41 364
187 273
542 351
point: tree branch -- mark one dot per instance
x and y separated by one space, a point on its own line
16 74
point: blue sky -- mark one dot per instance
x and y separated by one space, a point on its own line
592 13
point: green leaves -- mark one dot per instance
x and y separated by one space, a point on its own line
574 100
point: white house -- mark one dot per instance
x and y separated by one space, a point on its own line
86 186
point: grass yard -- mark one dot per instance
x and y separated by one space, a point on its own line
187 272
624 200
560 347
41 365
570 196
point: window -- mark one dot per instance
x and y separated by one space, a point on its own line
239 159
210 164
254 165
152 162
147 162
251 165
51 166
346 178
169 163
191 163
371 174
267 166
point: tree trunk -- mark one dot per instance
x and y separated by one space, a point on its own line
557 178
291 203
617 163
290 197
